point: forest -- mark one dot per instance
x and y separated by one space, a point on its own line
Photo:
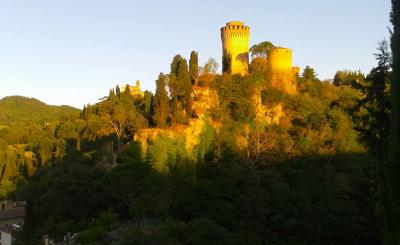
323 172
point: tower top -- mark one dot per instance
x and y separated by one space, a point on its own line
232 23
236 26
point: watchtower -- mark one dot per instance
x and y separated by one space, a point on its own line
282 74
235 47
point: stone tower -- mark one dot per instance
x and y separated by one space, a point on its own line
235 47
282 74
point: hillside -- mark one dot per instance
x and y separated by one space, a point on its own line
15 109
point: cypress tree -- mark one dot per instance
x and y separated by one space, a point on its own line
180 88
185 93
118 91
160 102
309 73
111 94
175 63
194 67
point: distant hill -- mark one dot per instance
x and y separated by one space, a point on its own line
16 109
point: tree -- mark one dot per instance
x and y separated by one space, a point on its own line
258 65
309 73
183 77
180 88
122 117
194 67
349 78
160 102
261 49
111 94
174 64
211 66
377 102
389 185
118 91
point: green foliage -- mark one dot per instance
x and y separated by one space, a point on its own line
348 78
206 141
194 66
261 49
91 235
17 109
309 73
271 96
211 66
122 117
165 152
204 230
246 178
259 65
235 95
389 167
161 103
180 88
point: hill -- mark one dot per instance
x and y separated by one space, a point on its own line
16 109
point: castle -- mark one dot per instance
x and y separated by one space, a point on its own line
280 74
133 90
235 37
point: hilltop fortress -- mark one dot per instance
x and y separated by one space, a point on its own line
278 73
235 37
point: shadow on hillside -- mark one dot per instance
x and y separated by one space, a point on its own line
309 200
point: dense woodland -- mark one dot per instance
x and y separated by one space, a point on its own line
322 175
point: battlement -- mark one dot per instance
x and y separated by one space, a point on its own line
235 27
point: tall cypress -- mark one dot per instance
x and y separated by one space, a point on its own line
180 88
183 78
160 102
194 67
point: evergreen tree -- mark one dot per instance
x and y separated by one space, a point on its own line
309 73
194 66
183 77
160 102
111 94
127 91
118 91
377 102
180 88
174 64
389 184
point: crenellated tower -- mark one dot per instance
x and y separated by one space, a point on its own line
235 47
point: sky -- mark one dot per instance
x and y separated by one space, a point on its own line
72 52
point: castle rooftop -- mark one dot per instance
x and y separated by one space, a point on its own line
232 23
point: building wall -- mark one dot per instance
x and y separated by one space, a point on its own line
5 238
134 90
235 47
280 59
5 204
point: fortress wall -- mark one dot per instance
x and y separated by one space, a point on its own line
282 73
280 59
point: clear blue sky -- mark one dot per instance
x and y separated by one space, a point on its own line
73 51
